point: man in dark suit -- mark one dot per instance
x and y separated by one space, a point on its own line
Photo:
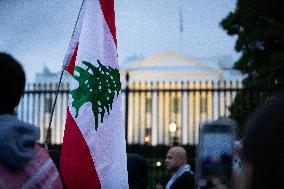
176 161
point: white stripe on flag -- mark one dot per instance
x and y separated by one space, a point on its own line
75 38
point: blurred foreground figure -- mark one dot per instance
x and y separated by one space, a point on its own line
176 161
263 147
137 171
23 163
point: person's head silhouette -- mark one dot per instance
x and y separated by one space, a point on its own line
263 152
12 82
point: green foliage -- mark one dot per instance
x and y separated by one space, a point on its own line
259 27
97 85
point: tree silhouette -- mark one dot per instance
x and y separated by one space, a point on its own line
259 27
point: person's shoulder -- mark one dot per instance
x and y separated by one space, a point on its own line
42 161
41 154
40 172
186 181
188 176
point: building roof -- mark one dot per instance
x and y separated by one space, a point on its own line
164 66
170 61
171 66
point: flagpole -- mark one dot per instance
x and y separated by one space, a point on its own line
53 108
78 17
60 80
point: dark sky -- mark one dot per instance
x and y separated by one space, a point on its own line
37 32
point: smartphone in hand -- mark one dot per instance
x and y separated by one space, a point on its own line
214 162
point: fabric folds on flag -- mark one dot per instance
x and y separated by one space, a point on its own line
93 153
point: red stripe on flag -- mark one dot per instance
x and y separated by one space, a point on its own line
71 65
108 11
76 163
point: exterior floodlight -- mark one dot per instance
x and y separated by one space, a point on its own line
172 127
158 164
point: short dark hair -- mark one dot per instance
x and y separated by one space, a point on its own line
263 143
12 82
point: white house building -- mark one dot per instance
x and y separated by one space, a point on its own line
151 114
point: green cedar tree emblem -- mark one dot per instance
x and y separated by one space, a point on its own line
98 87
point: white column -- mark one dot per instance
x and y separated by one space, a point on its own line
215 102
185 126
154 116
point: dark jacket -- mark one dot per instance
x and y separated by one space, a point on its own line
137 171
185 181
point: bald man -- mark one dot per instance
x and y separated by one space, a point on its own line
176 161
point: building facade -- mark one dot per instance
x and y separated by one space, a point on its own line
181 93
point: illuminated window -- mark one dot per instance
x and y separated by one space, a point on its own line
148 105
147 138
176 105
203 105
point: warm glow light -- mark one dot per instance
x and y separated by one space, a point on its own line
172 127
147 139
158 164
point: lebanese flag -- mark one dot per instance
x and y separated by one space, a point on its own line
93 152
